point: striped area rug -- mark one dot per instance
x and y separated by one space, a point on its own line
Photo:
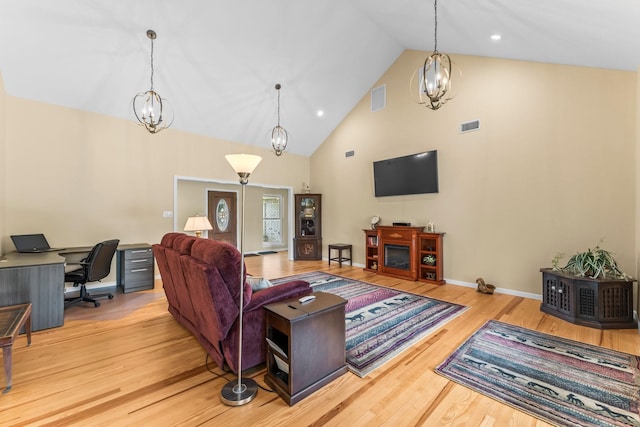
380 322
560 381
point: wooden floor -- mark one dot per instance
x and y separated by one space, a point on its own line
128 363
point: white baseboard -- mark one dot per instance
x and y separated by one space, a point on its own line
498 290
70 290
474 285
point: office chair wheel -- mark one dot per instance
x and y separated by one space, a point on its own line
110 296
96 304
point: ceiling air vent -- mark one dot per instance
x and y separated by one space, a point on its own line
378 98
469 126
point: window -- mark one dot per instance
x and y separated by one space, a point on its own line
272 220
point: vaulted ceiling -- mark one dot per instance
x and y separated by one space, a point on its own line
217 61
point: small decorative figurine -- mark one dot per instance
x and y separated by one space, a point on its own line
485 288
374 222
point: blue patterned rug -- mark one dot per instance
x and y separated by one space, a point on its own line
380 322
560 381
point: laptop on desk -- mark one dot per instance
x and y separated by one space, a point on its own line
32 243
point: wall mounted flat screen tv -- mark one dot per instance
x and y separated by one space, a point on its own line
413 174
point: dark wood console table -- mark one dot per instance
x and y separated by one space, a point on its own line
597 303
306 345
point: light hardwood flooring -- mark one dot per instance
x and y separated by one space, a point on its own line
129 363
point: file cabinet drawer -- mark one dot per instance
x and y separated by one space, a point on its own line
137 277
135 266
137 263
137 253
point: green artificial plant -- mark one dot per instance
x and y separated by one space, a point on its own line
596 263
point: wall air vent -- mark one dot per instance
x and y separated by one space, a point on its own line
378 98
469 126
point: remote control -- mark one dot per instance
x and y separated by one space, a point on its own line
307 298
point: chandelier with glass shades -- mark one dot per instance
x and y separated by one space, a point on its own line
152 111
279 136
434 87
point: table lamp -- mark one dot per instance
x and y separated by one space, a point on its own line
242 391
198 224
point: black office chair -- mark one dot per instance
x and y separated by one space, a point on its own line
95 267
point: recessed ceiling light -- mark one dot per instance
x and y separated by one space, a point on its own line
496 37
320 113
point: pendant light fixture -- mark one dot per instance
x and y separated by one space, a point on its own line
152 111
435 75
279 136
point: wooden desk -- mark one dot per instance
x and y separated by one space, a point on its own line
134 265
12 319
37 279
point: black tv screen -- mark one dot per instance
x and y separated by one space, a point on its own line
414 174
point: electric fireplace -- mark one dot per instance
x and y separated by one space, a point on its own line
397 256
405 251
397 251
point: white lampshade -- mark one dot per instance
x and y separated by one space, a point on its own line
243 163
197 224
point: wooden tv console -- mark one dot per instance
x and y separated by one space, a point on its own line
411 246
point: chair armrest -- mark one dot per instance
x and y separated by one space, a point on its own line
293 289
74 266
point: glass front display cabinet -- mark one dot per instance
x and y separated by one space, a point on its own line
308 227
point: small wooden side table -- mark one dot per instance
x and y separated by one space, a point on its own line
340 258
306 345
12 319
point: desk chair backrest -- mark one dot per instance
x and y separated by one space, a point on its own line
98 262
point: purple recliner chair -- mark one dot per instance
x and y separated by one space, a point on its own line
201 278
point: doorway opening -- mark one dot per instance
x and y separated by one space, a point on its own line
191 197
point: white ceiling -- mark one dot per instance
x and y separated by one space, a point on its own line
218 61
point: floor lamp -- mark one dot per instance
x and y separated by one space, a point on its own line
237 393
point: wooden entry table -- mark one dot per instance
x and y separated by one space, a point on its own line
12 319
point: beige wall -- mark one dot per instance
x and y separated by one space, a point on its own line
637 266
81 177
3 164
552 168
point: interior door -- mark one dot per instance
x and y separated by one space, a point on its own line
222 206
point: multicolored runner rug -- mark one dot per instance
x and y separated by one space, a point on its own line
380 322
560 381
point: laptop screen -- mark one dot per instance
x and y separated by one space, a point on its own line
30 242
